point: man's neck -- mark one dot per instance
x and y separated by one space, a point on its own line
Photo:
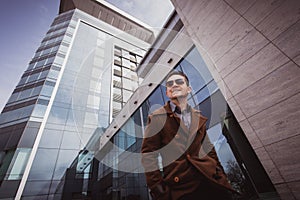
180 102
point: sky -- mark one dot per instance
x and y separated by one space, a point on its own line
24 24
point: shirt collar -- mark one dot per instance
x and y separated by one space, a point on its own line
173 106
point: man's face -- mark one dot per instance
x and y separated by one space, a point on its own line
177 87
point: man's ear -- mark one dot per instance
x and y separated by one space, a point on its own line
167 94
189 89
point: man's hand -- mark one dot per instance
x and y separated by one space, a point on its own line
160 192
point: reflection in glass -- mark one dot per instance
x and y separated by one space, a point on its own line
43 165
36 91
13 97
47 90
25 94
129 84
126 95
39 111
20 160
65 157
125 54
58 115
25 111
51 138
43 74
53 74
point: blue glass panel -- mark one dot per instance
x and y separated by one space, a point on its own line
71 140
58 115
34 188
43 164
26 111
51 138
200 68
47 90
20 160
156 100
39 111
25 94
64 160
53 74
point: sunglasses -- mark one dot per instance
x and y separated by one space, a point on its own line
177 81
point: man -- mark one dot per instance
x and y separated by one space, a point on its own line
177 132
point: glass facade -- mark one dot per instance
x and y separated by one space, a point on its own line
117 172
125 79
21 119
62 98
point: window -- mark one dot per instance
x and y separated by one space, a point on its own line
129 84
125 54
124 77
127 73
117 51
117 60
33 77
126 95
138 59
20 160
53 74
125 63
47 89
23 80
117 70
50 60
40 63
44 74
93 101
25 94
133 66
13 97
117 81
117 105
132 58
39 111
58 61
36 91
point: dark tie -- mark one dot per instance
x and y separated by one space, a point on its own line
177 110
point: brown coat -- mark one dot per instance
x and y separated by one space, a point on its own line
188 157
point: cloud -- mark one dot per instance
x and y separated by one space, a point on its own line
43 9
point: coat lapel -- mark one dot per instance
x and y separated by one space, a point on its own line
178 120
197 121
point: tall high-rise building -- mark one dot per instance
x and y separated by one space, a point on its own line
79 79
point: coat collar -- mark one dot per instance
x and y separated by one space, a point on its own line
197 120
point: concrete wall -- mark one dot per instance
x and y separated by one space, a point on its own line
252 49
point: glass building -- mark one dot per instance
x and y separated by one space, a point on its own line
79 78
110 165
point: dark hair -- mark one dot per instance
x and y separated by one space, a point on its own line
178 73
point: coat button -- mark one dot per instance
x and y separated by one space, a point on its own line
177 136
176 179
188 156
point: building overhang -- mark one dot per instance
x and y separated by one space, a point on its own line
112 15
163 40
